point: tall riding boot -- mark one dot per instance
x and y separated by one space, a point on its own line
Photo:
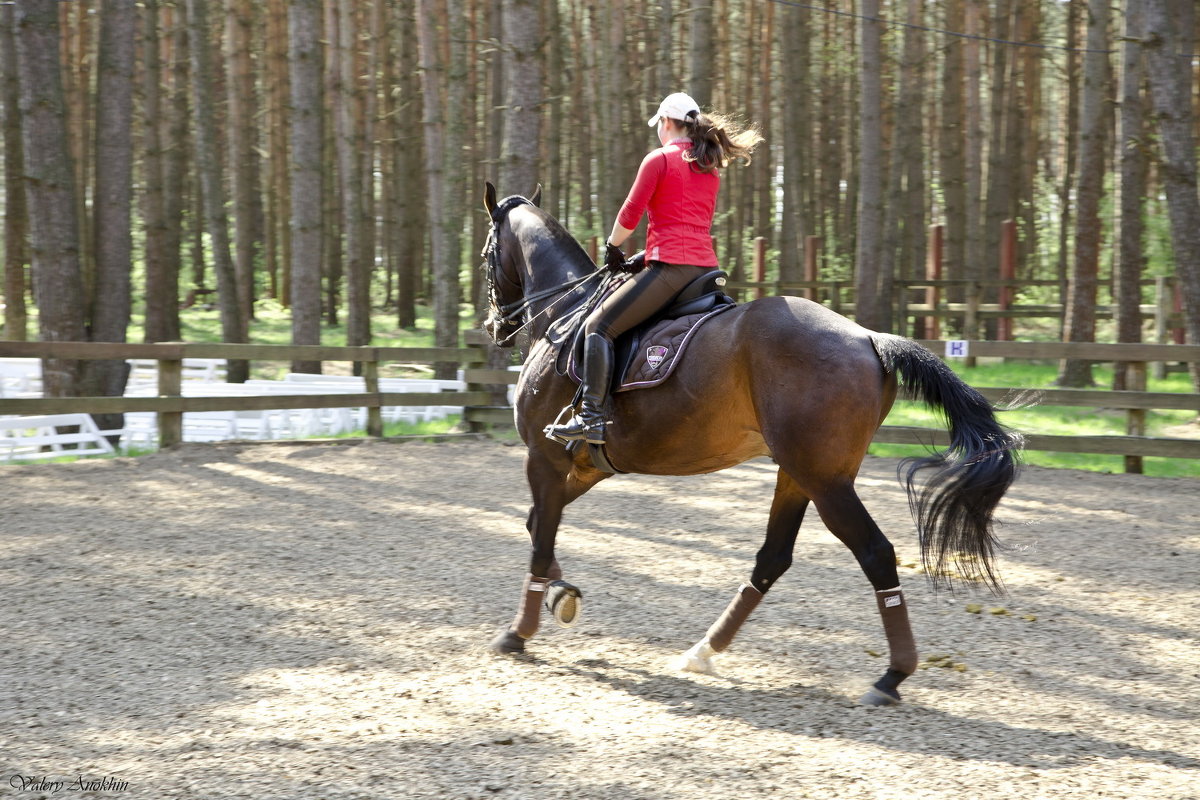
588 424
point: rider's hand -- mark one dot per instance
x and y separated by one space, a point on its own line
636 263
614 259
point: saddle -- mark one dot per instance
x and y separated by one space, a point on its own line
646 356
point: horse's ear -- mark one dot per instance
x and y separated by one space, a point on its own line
536 198
489 196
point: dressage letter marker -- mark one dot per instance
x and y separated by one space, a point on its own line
957 348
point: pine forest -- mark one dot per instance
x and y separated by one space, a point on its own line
329 156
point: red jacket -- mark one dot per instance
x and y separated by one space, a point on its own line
680 200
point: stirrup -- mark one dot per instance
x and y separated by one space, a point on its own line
568 411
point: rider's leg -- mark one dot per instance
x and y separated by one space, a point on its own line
633 302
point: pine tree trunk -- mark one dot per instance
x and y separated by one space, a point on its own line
868 301
952 144
1132 187
208 167
278 214
1169 37
795 44
975 255
410 187
111 299
1071 143
50 191
160 290
1081 294
177 141
445 263
243 146
304 44
700 53
16 216
349 144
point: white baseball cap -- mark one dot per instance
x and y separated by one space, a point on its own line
674 106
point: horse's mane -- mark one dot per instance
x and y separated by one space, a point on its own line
555 245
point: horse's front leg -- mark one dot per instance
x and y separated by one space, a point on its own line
553 486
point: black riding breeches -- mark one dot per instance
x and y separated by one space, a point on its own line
640 297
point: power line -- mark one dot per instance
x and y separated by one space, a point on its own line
972 36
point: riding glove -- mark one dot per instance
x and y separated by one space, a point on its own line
614 259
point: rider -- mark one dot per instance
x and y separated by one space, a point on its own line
677 184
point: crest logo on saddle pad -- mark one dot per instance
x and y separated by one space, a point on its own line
655 355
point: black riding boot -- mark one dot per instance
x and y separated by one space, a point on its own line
588 424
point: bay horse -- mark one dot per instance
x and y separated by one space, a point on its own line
782 377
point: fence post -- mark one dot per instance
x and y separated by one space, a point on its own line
971 320
812 260
371 379
1135 418
933 272
1008 272
760 266
1162 313
170 384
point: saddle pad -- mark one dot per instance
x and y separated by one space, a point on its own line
659 350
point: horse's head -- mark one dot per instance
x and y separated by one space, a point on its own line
503 267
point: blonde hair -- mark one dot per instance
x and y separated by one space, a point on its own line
717 140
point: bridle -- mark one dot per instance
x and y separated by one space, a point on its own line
507 314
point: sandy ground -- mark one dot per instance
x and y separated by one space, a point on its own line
311 621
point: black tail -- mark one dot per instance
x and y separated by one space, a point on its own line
954 509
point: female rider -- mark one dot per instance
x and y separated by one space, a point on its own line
677 184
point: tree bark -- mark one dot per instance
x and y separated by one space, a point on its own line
349 145
1132 186
161 289
243 146
304 39
445 261
111 299
216 220
952 142
410 187
1168 40
795 41
1081 294
16 216
867 302
700 54
50 191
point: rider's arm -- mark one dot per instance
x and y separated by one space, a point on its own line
619 234
639 197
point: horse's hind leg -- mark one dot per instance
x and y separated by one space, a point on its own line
844 515
774 559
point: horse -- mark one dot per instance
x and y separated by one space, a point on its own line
782 377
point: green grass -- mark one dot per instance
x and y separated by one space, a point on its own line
1061 420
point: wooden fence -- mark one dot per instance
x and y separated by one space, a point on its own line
482 382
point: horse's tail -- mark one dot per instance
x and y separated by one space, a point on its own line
954 509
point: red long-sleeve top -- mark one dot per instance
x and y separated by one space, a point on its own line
680 200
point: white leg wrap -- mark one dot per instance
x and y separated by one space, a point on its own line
697 659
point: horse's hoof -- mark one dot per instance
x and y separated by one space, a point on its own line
879 697
565 602
697 659
508 643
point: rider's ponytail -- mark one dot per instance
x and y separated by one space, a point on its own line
717 140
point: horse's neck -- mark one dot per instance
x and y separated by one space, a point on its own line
549 265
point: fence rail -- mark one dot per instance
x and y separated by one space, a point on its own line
482 381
